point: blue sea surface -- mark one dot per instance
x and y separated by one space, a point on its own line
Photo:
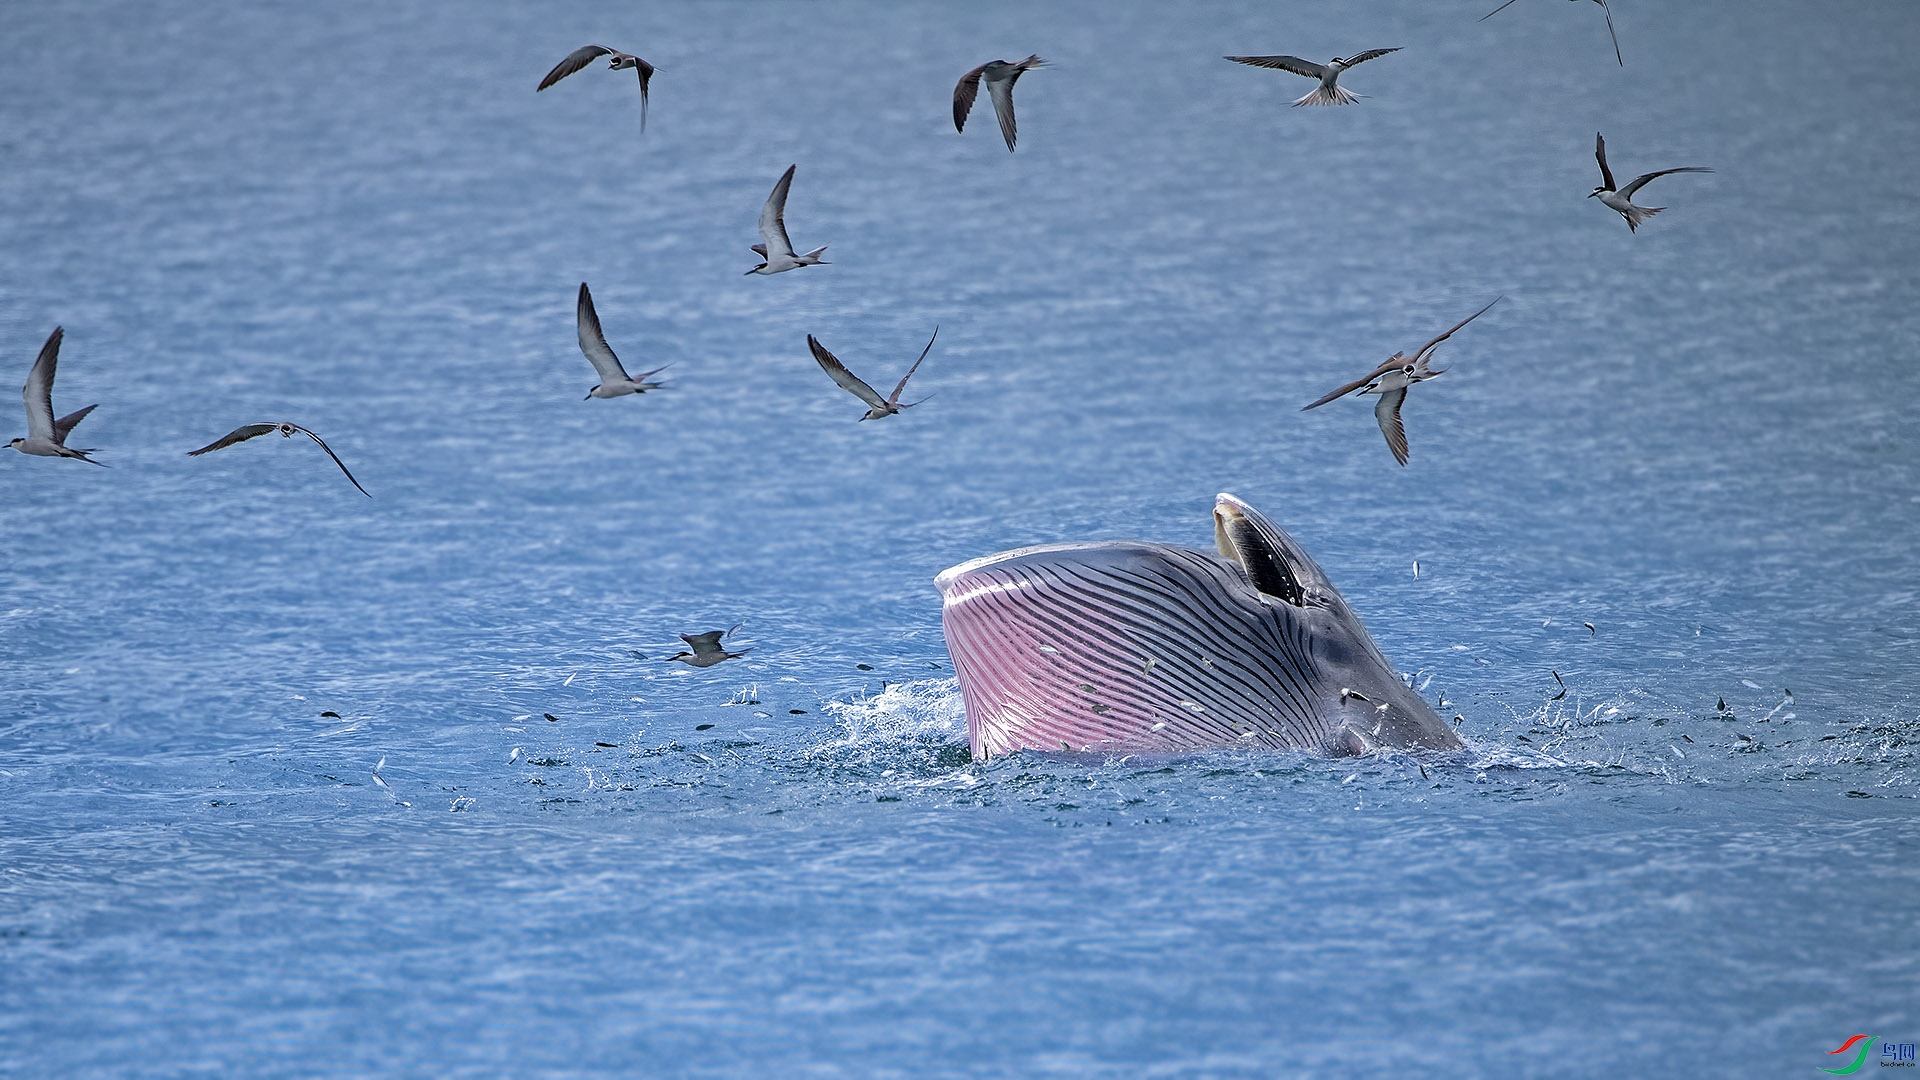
297 782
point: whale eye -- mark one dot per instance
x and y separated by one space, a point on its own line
1332 650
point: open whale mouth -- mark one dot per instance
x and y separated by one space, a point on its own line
1245 536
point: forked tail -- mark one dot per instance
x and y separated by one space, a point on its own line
1637 214
1329 95
811 258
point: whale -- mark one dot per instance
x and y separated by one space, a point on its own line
1129 646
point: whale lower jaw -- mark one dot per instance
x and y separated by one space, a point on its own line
1129 646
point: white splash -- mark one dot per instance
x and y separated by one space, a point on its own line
901 712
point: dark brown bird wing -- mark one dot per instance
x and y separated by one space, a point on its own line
65 425
964 92
38 391
1616 37
646 73
239 434
334 456
895 399
1600 155
1428 347
577 59
1387 412
848 381
1283 63
593 343
1639 182
1385 366
1371 54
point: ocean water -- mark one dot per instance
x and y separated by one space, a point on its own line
296 782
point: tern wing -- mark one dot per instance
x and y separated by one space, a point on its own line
577 59
895 399
1387 412
964 92
1284 63
1372 54
1639 182
1600 155
848 381
594 343
1421 353
773 217
1616 37
1385 366
704 644
1495 11
646 73
239 434
1001 91
334 456
65 425
38 392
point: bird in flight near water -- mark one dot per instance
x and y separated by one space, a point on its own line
706 648
47 437
614 381
877 406
286 430
1622 200
1000 76
587 54
1391 379
1329 92
775 250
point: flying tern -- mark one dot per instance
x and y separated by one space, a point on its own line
47 437
1329 92
1000 76
1390 381
774 249
1622 200
587 54
706 648
286 430
877 406
614 381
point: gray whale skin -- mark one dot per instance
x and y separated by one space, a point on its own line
1130 646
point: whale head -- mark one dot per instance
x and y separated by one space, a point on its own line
1126 645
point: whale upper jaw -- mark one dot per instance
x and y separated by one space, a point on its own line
1137 646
